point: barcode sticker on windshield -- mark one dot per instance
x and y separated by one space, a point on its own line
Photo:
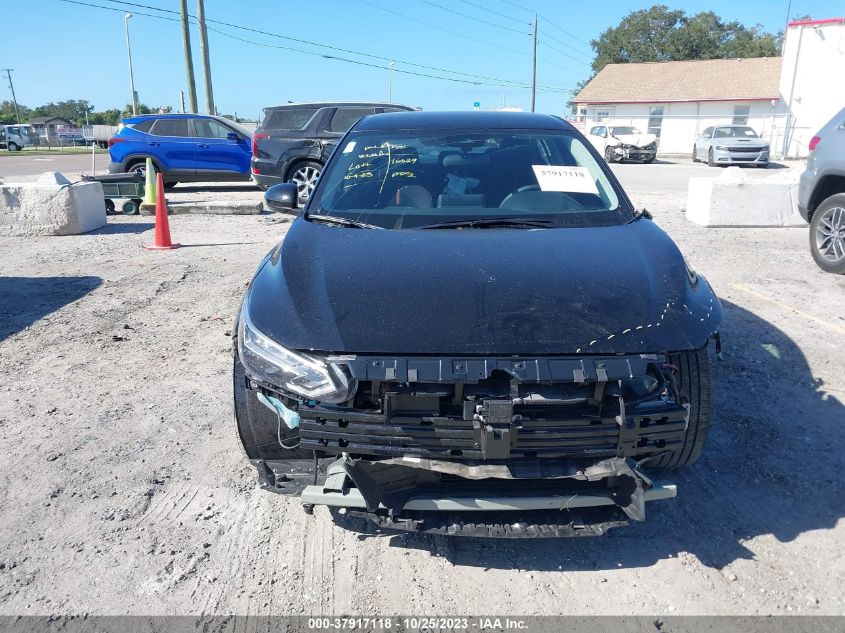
565 179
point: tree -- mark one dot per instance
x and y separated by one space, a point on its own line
659 34
73 110
142 108
7 112
106 117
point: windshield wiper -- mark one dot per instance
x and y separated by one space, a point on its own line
332 219
639 215
488 222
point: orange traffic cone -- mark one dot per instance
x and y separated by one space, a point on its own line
162 239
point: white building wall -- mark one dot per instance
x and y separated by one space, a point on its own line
682 122
812 82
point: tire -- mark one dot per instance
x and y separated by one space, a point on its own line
130 207
169 185
648 161
610 154
827 234
693 379
304 175
694 159
110 207
137 166
14 147
710 160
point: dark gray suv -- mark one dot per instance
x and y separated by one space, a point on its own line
294 141
821 195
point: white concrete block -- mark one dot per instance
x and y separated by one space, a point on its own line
51 209
52 178
735 199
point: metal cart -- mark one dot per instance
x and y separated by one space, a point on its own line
127 186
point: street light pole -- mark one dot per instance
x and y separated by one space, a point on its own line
390 82
131 75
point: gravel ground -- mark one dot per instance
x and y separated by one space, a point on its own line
123 490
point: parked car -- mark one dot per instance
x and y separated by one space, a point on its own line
437 334
821 195
183 147
293 142
731 145
623 142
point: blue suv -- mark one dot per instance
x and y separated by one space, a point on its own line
183 147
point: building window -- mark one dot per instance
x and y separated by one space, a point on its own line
602 115
655 120
741 114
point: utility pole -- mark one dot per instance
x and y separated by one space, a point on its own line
8 72
131 76
189 58
206 64
390 82
534 68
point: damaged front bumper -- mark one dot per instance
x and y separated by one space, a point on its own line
485 446
497 500
632 152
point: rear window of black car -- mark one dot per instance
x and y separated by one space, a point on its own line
288 118
343 118
170 127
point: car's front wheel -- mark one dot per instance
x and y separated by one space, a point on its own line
710 159
694 157
827 235
14 147
305 178
693 383
610 154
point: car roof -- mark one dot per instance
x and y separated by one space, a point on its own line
135 118
335 104
463 119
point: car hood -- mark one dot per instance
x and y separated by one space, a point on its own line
637 140
621 289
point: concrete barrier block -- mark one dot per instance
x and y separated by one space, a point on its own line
735 199
51 209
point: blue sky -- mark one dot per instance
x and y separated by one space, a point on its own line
69 51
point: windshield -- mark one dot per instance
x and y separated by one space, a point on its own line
409 179
728 132
623 130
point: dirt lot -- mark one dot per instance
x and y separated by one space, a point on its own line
122 488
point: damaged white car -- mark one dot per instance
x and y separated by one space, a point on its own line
623 142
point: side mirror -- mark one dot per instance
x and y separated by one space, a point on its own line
233 136
282 197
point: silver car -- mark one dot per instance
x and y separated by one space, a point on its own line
731 145
821 195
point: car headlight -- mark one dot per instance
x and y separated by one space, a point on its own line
721 147
266 361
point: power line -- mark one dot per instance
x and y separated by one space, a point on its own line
488 10
441 28
562 43
564 53
491 81
470 17
344 50
519 6
379 67
462 35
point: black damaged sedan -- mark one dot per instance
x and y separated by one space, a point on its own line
470 330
